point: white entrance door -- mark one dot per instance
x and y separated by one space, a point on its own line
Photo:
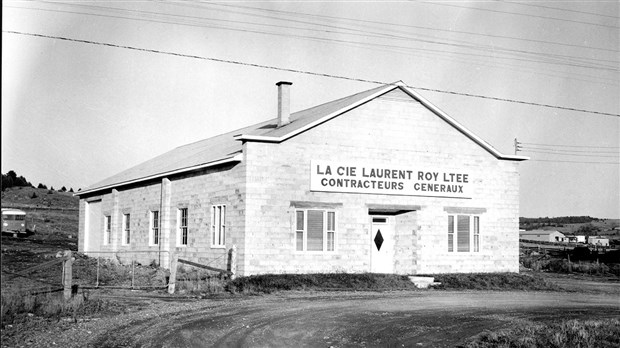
382 245
94 226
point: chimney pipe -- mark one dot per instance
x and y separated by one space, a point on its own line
284 103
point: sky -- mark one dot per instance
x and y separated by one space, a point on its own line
90 88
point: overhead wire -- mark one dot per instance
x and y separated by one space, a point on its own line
340 42
392 24
303 72
564 145
560 9
560 161
568 154
566 151
527 55
591 151
524 14
493 49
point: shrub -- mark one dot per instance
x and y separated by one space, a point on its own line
267 283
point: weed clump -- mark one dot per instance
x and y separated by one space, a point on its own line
16 306
493 281
568 333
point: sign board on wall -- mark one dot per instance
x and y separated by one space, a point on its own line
387 179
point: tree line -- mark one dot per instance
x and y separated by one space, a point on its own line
557 220
11 179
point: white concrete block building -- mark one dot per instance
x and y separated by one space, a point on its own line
380 181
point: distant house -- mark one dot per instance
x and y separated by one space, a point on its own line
574 239
598 241
542 235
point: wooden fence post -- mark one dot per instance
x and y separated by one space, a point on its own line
67 274
173 274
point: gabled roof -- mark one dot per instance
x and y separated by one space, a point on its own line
226 148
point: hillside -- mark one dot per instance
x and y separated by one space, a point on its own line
29 197
53 214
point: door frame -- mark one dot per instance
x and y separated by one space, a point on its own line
389 226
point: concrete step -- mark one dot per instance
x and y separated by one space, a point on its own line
423 282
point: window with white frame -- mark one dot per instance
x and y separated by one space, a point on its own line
126 229
154 226
107 237
182 231
315 230
463 233
218 225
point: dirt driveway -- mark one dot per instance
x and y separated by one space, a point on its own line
423 319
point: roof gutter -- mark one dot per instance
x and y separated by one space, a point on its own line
235 158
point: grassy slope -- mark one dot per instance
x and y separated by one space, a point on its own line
55 214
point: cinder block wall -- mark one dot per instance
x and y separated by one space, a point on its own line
393 129
196 191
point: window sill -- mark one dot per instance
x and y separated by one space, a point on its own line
218 246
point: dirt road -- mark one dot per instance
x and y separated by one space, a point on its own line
426 319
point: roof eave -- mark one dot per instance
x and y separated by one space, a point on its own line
462 128
230 159
262 138
388 88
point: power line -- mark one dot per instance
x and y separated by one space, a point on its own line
517 55
303 72
526 15
538 160
580 146
399 25
566 151
561 9
382 47
567 154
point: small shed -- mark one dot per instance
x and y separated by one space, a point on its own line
542 235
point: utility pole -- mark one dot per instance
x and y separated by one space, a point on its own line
516 146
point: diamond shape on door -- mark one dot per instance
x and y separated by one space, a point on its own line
378 240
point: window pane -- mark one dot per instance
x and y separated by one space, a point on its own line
300 240
450 233
462 233
300 221
156 227
476 233
331 221
330 241
315 230
213 222
127 229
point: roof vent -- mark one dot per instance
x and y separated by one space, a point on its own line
284 103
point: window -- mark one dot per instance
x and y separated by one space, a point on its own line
154 227
107 237
218 226
182 221
476 233
467 230
450 233
126 229
315 230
